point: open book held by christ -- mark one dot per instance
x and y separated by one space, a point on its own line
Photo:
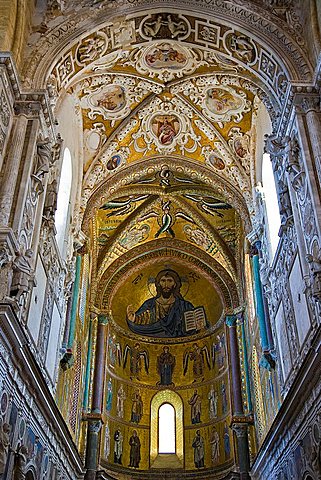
195 319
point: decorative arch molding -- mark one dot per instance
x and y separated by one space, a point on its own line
108 281
97 195
171 397
278 37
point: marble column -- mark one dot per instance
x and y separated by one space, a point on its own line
88 365
311 107
235 365
11 169
74 305
259 303
100 355
238 419
267 321
241 433
94 428
95 417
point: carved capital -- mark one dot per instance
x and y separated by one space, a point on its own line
230 320
28 109
94 426
310 103
254 237
240 429
102 319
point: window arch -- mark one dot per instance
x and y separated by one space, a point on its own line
161 399
166 429
271 203
63 199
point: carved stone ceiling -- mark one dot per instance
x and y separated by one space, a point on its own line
176 94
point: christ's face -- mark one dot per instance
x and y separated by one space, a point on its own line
167 286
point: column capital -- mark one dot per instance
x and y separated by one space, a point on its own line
308 102
102 319
240 429
29 109
254 237
230 319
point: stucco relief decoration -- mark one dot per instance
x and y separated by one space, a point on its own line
112 96
165 60
221 160
164 25
223 103
65 69
92 48
241 47
239 142
166 124
122 33
217 99
113 158
4 119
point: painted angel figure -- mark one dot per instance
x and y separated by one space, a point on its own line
198 355
136 355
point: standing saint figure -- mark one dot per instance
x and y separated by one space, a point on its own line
109 398
121 397
137 407
215 444
165 366
199 451
212 403
5 430
196 405
134 454
118 447
227 443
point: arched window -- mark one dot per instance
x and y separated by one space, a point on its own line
271 202
166 429
63 199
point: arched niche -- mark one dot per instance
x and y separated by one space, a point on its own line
30 475
168 461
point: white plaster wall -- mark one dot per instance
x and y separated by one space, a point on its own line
54 337
297 287
283 343
37 301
